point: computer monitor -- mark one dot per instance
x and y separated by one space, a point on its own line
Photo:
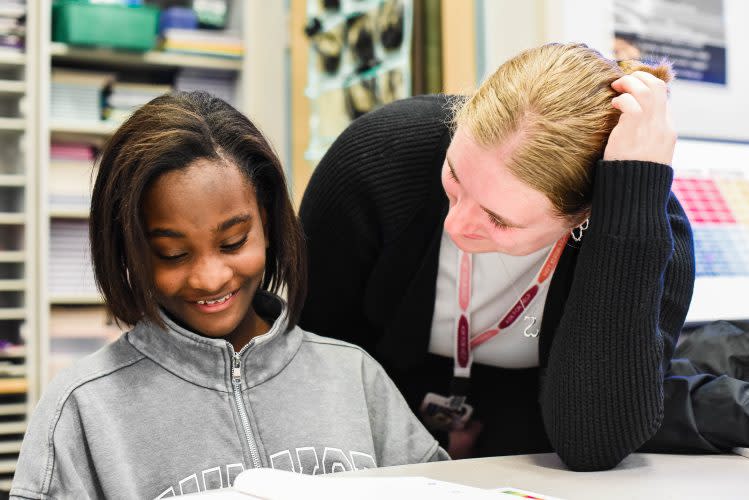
711 179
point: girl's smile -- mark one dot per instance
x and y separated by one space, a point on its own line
214 305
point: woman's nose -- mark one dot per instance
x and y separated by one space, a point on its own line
462 218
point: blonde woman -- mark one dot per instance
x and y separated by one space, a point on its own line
515 259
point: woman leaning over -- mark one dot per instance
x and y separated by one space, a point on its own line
518 251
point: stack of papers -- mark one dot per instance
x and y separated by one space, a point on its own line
127 97
70 268
78 95
203 42
70 176
12 25
219 83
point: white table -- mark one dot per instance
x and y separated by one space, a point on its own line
639 476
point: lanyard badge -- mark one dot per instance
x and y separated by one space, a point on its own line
450 413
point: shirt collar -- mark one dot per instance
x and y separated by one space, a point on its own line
207 361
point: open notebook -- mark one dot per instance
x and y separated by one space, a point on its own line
282 485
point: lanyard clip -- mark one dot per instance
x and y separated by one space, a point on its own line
456 402
459 387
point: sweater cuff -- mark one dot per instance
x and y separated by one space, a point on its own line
630 198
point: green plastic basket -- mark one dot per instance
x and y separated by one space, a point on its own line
105 25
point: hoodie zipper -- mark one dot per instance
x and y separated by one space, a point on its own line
236 382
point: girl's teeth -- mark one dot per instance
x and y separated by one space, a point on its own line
217 301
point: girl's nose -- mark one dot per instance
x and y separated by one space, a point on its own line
210 274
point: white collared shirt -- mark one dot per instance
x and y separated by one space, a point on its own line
497 282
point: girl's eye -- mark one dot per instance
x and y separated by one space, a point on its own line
452 175
171 258
234 246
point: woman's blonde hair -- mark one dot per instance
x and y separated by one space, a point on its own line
552 105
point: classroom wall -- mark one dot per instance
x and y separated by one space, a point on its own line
699 109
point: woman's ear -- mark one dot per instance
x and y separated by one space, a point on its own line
577 219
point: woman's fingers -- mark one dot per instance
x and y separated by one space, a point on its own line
649 91
627 104
632 85
644 130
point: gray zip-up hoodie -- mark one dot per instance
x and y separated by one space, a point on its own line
160 413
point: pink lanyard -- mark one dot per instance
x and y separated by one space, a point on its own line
464 343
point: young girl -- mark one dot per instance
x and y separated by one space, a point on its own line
192 233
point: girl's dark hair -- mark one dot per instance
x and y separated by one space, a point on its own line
169 133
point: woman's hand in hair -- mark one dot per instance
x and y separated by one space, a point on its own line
644 131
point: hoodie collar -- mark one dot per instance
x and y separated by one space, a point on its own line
208 362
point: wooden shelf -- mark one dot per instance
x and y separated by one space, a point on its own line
12 180
13 124
10 446
12 285
7 466
12 218
12 87
12 427
63 52
62 300
13 409
92 128
69 213
14 352
13 386
12 256
8 58
13 313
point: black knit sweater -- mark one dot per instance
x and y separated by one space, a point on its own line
373 215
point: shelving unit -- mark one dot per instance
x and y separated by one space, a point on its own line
18 244
12 87
13 256
75 299
12 180
13 124
84 128
151 59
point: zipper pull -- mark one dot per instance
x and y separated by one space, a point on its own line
236 371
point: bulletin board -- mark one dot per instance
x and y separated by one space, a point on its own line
360 59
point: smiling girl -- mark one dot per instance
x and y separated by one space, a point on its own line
192 233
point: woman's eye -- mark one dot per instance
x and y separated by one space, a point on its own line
497 223
236 245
